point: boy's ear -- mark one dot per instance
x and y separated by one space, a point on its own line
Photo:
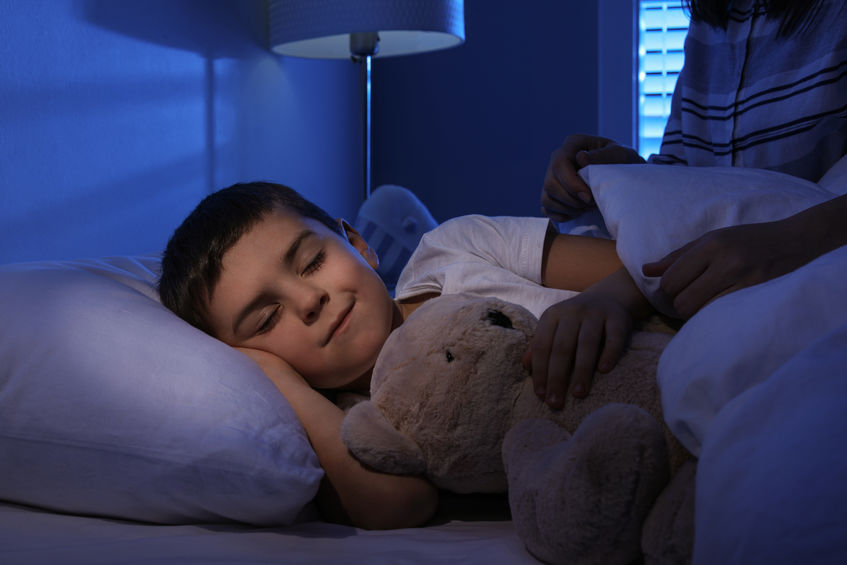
359 243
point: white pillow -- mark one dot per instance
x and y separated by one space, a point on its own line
652 210
111 405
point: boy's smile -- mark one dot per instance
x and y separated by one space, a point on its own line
293 287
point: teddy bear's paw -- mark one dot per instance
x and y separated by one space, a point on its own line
377 444
530 447
529 436
668 536
583 500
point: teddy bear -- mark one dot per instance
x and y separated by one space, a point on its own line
450 400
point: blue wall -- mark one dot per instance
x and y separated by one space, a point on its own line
117 117
471 129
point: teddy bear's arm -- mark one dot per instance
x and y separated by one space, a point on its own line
376 443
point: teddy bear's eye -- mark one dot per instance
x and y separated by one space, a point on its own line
449 356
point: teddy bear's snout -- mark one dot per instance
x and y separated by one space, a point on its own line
498 318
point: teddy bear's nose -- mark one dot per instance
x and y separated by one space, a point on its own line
498 318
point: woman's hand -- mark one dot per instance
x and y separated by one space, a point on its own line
587 332
565 194
726 260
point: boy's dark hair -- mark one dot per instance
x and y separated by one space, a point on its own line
191 264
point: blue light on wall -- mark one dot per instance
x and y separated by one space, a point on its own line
118 117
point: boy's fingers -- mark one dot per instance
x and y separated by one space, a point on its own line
559 364
590 336
557 378
613 348
537 355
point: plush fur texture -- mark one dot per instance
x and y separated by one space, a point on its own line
449 387
582 498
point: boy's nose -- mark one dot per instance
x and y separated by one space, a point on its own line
310 302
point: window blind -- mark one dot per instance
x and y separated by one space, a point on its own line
662 26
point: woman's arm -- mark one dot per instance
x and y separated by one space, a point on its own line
728 259
349 493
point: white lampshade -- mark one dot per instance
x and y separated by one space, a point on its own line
322 28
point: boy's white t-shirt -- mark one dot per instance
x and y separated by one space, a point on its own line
485 256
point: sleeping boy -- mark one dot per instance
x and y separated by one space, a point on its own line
268 272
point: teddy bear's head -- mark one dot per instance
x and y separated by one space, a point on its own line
442 392
449 387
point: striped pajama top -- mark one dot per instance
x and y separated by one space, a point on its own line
748 98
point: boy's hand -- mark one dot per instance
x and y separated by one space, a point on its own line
575 337
262 358
278 370
588 331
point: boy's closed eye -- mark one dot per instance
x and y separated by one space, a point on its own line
271 317
316 263
270 320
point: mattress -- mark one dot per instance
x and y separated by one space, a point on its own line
30 536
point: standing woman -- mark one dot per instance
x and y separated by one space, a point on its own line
764 85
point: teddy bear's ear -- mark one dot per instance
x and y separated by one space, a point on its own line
376 443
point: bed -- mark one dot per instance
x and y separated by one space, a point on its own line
30 536
128 436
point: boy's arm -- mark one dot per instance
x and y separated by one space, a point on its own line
589 331
349 493
575 262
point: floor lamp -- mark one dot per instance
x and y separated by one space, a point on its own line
361 30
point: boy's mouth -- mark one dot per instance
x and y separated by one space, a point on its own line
339 324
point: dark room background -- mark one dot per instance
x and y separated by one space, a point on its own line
117 117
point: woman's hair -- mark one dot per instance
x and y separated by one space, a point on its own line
191 264
794 14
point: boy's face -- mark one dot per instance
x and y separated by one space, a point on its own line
293 287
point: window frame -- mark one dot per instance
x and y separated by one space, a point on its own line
618 61
660 59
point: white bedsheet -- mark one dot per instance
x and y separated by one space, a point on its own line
34 537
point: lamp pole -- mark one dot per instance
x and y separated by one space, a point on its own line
363 46
306 28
